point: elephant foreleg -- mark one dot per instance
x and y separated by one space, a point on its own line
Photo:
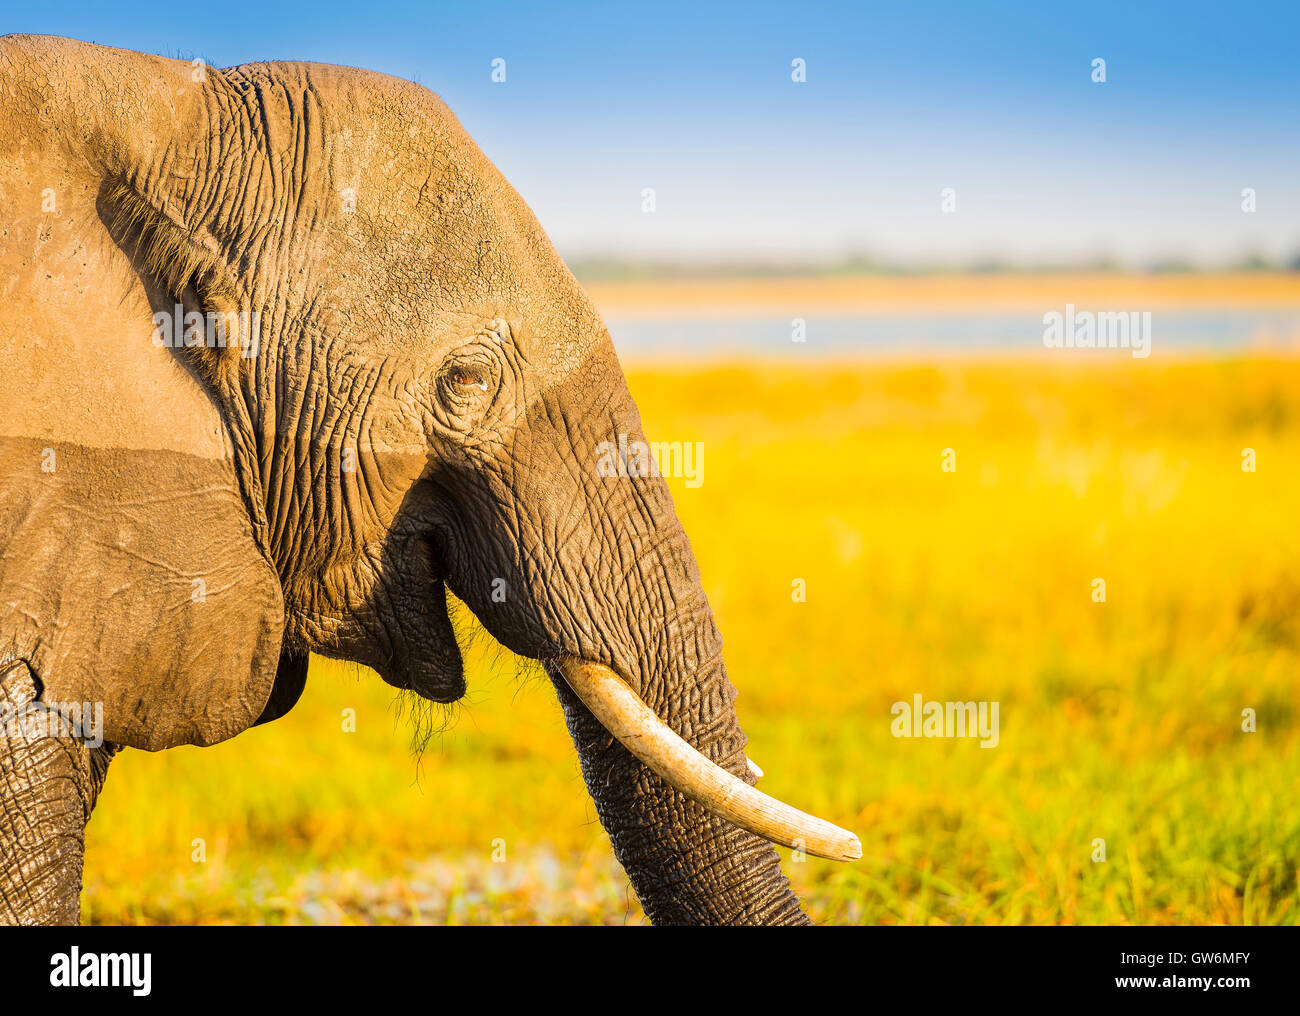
48 786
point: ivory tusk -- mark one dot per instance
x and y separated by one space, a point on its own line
753 768
646 736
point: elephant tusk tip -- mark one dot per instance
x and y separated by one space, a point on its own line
622 712
753 768
835 845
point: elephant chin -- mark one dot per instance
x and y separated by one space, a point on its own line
426 660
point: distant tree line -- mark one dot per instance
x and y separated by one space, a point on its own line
616 268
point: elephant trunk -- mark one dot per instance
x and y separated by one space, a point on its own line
48 786
687 863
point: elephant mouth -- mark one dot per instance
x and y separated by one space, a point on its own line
641 731
435 552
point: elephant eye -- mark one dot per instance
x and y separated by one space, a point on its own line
469 376
464 381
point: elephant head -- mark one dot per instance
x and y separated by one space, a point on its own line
405 392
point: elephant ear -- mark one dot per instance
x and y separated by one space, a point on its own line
130 574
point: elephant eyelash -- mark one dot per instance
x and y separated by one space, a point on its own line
166 252
177 260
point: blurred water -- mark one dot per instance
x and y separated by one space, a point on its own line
688 335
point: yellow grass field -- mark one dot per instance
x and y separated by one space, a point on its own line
1120 721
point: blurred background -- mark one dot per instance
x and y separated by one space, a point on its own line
824 238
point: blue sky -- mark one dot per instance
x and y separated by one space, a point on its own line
901 100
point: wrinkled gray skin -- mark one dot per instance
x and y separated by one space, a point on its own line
422 413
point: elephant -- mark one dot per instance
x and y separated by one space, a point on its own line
287 362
